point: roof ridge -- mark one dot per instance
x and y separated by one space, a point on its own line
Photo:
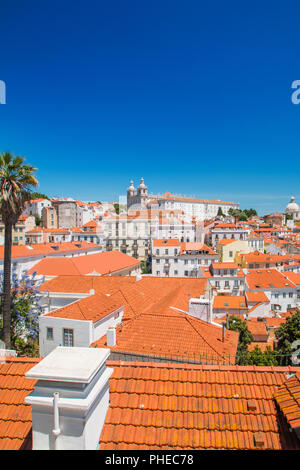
198 332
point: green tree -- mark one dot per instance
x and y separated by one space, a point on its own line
220 212
259 358
38 220
250 212
36 195
16 180
245 337
117 207
146 267
287 333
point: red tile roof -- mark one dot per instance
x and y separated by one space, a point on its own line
267 279
148 294
288 400
15 414
256 297
174 335
98 263
257 327
229 302
92 308
48 249
229 265
195 246
165 242
169 406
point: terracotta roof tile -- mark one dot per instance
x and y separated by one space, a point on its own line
100 263
267 279
288 400
149 293
92 308
162 335
15 414
197 407
48 249
229 302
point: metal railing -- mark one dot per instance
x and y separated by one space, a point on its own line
279 360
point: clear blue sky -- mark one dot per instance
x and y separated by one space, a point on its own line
193 96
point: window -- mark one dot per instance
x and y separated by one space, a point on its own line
50 334
291 295
230 254
175 273
68 337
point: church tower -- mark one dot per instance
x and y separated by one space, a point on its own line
131 195
142 193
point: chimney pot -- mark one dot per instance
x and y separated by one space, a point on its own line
111 337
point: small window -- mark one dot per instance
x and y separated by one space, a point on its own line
50 334
68 337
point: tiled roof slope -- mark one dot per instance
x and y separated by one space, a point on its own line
148 294
91 308
48 249
288 400
101 263
15 414
168 406
174 336
267 279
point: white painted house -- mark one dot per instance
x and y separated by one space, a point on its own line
282 292
172 258
79 323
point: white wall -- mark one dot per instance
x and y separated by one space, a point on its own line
83 333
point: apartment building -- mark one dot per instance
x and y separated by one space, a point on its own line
227 231
66 210
282 289
19 231
92 231
35 207
49 217
225 278
47 235
172 258
130 234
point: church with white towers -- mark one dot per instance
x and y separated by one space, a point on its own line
293 209
137 197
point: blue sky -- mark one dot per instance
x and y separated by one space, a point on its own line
193 96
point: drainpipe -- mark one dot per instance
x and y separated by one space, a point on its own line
56 430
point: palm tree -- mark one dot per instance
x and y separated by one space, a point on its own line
16 180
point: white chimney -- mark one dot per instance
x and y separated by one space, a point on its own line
70 399
111 337
200 308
